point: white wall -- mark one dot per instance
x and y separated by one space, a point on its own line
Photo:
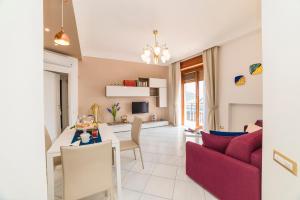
235 57
22 153
281 48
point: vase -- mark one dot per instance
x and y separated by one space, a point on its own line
114 117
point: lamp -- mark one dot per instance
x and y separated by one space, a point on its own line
159 52
61 38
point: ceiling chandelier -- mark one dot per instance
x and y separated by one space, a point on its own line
157 52
61 38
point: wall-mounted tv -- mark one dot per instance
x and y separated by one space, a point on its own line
140 107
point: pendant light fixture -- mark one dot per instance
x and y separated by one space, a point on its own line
61 38
157 52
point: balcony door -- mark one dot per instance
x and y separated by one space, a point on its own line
192 93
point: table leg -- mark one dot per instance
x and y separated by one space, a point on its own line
197 139
50 177
118 171
184 142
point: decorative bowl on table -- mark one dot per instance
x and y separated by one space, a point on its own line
86 122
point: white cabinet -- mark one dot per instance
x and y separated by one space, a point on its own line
127 127
157 83
122 91
162 97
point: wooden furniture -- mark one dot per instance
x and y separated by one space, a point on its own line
124 91
162 101
156 87
65 140
157 83
87 170
134 142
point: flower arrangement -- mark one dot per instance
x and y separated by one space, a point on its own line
114 109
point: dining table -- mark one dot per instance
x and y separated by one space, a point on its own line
65 139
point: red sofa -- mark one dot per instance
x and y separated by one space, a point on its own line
227 177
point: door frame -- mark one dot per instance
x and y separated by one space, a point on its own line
59 63
194 64
197 99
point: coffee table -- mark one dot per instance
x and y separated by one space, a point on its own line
198 137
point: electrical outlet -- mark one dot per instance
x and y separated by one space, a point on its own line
285 162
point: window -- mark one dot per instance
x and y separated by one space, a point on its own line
192 93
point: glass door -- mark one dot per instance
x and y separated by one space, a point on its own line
201 103
192 98
190 105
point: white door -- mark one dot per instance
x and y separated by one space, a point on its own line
52 108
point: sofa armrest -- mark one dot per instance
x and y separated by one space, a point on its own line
225 177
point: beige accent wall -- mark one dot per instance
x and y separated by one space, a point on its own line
52 20
95 73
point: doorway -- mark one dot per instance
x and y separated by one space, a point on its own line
55 102
192 98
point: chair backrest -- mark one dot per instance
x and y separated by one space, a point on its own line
87 170
48 141
136 130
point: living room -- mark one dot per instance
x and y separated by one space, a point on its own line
180 100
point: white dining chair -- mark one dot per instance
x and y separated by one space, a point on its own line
87 170
134 142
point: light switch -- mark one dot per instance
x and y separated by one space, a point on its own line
285 162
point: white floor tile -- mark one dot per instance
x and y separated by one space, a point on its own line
169 160
160 187
181 174
150 157
187 191
148 167
131 195
209 196
150 197
127 163
166 171
135 181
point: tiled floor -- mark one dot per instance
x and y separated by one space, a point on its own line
164 174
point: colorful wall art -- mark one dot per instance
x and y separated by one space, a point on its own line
240 80
256 69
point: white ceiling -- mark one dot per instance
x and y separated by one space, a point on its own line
119 29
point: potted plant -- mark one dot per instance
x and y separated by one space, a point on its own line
114 110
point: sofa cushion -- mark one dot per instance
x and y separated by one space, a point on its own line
259 123
215 142
252 128
242 146
225 133
256 158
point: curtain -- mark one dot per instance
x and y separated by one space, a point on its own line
210 66
174 99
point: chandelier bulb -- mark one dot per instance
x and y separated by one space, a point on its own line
159 52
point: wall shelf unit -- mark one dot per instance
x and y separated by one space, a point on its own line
124 91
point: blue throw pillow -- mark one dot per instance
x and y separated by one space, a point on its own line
224 133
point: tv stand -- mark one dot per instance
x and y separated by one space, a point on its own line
123 127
